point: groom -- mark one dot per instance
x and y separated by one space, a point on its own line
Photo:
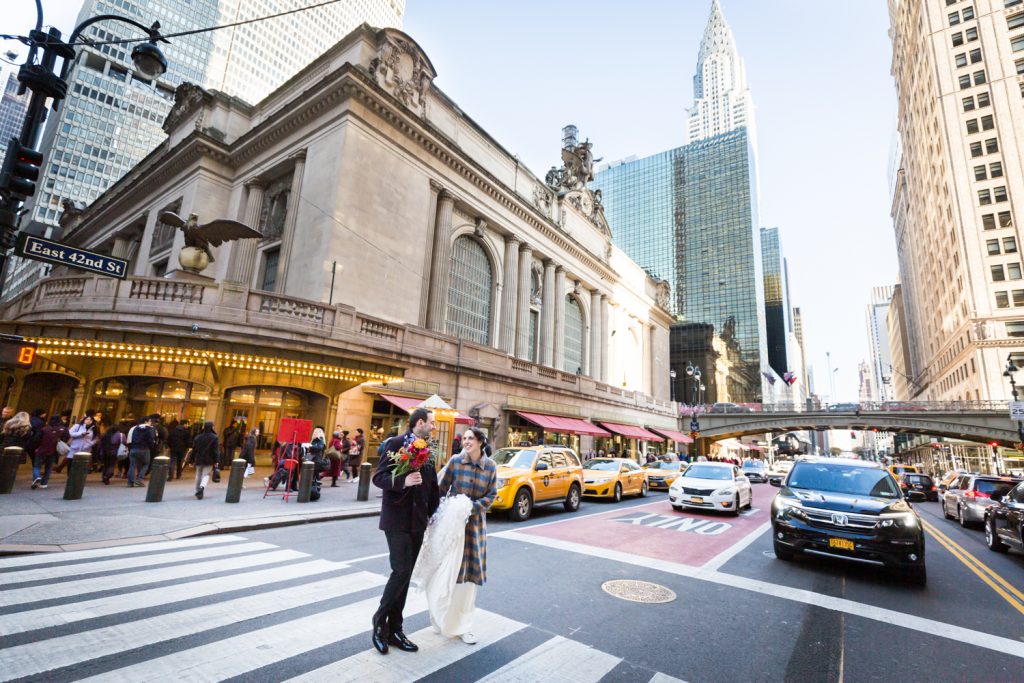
409 501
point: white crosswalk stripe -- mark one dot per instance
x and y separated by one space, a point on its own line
196 637
76 555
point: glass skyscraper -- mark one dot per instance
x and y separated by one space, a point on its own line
12 113
778 322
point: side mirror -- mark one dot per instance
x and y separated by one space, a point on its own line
916 497
542 466
775 481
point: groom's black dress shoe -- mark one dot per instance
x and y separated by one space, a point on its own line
380 640
399 640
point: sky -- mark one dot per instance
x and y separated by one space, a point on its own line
623 73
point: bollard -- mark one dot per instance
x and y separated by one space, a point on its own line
9 468
234 494
78 470
157 479
305 481
364 481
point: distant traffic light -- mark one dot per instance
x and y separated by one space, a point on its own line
20 170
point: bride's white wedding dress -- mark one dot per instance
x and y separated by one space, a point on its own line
439 562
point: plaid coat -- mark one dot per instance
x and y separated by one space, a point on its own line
479 483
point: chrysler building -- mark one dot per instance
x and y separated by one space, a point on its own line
721 98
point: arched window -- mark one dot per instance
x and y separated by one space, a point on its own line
469 294
573 335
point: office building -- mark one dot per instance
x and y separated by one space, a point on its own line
12 113
880 359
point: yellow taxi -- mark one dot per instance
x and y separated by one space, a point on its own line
537 475
898 470
660 474
613 478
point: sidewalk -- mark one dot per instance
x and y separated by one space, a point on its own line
42 521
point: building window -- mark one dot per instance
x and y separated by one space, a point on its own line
976 150
1010 245
980 172
954 18
1018 297
958 39
965 82
1017 44
1000 193
1015 329
534 336
979 77
996 169
983 100
271 260
1013 271
573 361
972 126
975 56
988 221
971 34
997 274
1002 300
968 103
469 292
991 146
1005 220
987 123
160 268
961 59
968 13
984 197
993 247
1016 21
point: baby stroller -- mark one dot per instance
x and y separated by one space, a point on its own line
286 451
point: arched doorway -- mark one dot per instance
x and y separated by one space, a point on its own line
52 391
264 407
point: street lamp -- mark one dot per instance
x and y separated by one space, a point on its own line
1011 370
693 372
672 384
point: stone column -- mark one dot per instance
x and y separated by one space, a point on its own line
547 316
651 370
605 338
242 263
141 268
523 311
121 246
596 346
288 237
509 295
558 352
440 263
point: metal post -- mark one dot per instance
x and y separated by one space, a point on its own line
234 493
157 479
77 472
9 468
305 481
363 493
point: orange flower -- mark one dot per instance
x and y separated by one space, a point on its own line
419 444
405 456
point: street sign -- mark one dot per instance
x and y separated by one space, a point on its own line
50 251
1017 411
694 425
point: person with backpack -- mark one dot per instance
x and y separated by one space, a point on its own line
110 450
141 441
83 438
53 440
206 455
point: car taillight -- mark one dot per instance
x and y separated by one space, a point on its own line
977 494
933 488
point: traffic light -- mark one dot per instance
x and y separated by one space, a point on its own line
21 169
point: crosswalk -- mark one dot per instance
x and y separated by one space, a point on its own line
222 607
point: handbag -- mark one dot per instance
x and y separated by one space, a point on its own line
216 475
63 449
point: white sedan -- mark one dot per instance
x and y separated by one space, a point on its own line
711 486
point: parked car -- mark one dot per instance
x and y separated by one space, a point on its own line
948 478
730 408
711 486
849 510
660 475
843 407
969 495
537 475
920 482
613 478
755 471
898 470
1004 521
903 405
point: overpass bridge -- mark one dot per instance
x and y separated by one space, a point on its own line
981 421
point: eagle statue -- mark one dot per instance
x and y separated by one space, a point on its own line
197 254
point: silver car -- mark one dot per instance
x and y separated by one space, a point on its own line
969 495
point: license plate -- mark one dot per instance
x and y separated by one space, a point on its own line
841 543
696 499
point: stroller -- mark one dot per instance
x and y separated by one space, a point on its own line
292 451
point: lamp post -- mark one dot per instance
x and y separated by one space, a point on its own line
672 384
693 372
1011 370
22 161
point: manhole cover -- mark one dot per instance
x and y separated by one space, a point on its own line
638 591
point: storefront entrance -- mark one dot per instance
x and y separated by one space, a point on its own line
264 407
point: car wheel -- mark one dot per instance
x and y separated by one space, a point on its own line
643 490
750 501
992 538
572 501
945 515
782 552
522 506
960 516
736 506
917 577
618 492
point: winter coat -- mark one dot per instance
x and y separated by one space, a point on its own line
141 438
248 449
179 439
206 449
405 509
82 438
478 482
51 435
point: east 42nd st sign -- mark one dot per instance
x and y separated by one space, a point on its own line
41 249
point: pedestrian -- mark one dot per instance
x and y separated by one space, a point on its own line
335 456
232 439
205 454
346 448
249 451
83 438
409 501
6 414
38 420
141 440
179 440
392 434
47 451
472 474
110 449
355 454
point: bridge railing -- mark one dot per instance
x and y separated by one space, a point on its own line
846 407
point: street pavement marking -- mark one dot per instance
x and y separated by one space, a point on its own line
241 654
556 660
715 563
75 555
665 678
887 616
44 655
69 589
130 563
64 614
979 568
435 653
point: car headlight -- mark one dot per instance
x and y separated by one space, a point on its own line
788 507
502 483
725 492
905 519
601 480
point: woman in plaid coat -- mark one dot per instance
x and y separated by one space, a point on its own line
474 475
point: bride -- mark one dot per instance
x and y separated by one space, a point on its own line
453 561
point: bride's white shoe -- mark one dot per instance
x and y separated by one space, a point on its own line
468 638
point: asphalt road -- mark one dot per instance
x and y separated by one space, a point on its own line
300 602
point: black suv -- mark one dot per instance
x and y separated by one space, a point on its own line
850 510
1004 521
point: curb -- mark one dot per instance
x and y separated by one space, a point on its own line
204 529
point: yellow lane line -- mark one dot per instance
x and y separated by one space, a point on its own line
1006 584
991 584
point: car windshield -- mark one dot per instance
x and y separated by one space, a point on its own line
604 465
674 466
708 472
852 480
922 479
993 488
511 457
753 465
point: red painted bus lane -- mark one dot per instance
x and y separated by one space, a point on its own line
655 530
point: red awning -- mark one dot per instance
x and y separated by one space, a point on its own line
678 437
632 432
464 419
565 425
406 403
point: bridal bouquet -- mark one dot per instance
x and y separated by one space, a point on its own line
409 458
